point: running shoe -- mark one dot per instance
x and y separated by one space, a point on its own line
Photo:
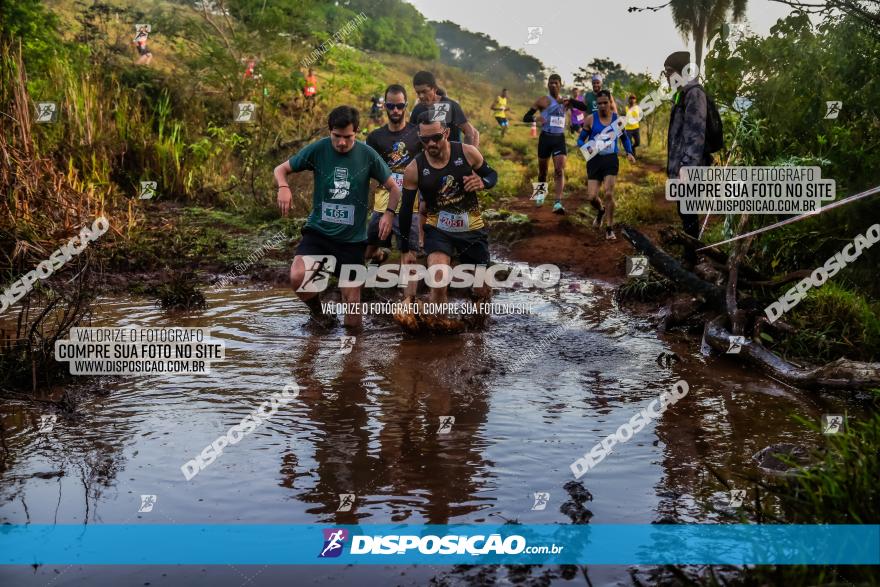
598 221
557 208
539 200
609 235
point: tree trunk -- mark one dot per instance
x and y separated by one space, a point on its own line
839 374
699 36
737 317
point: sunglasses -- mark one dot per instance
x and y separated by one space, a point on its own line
434 138
398 106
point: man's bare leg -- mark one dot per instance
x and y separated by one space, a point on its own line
609 183
593 197
558 176
438 294
297 276
351 297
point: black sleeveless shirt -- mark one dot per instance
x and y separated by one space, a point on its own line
449 206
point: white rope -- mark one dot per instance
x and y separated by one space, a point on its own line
842 202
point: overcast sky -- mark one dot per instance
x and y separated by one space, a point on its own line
576 31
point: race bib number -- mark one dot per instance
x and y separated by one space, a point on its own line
579 117
398 179
557 121
453 222
337 213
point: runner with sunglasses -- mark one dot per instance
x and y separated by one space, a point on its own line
448 175
397 142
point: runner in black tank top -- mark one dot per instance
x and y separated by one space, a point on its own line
447 175
448 205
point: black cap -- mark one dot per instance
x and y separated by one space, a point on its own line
678 60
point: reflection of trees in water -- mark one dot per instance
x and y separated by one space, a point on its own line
337 409
65 454
714 427
572 536
428 380
422 469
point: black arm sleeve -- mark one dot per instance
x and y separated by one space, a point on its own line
489 175
578 104
404 218
530 115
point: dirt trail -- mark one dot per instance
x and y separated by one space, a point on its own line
572 244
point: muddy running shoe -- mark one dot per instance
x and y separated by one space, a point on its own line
557 208
598 221
609 234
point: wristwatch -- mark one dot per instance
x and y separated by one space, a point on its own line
391 210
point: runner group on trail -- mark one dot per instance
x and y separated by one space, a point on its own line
429 170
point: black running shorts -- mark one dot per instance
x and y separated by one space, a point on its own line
471 246
551 145
315 243
602 166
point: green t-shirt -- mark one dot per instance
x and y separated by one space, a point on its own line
340 202
590 100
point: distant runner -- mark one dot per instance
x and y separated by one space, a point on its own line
376 105
602 168
337 225
140 41
250 65
551 142
310 90
500 109
425 85
590 98
397 143
448 175
575 115
633 116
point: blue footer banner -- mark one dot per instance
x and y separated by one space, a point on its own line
144 544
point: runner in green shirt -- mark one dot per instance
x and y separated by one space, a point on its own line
337 225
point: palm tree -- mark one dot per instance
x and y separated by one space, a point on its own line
698 18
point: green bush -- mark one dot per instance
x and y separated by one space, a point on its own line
831 322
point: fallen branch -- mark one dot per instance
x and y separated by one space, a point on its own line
671 268
676 236
789 277
839 374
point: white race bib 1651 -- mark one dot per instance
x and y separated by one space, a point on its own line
557 121
453 222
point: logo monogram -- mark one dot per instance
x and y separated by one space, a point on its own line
333 541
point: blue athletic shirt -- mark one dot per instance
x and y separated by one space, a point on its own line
597 129
554 117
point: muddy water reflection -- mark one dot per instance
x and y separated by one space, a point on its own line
529 395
